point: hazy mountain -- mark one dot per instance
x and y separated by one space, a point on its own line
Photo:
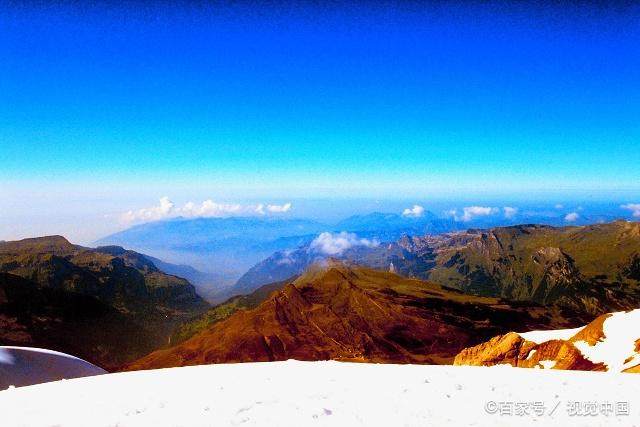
203 282
222 247
106 304
225 248
388 256
609 343
358 314
390 226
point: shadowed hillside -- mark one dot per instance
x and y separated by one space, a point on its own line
107 305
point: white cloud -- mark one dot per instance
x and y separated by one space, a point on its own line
471 212
634 208
336 243
509 212
207 209
571 217
279 208
559 206
285 258
154 213
416 211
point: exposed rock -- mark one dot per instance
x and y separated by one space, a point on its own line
590 349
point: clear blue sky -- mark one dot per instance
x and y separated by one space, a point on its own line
120 104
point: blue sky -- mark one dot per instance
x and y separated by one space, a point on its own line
111 108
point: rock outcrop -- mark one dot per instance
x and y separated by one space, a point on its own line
609 343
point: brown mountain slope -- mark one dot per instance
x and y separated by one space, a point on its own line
224 310
358 314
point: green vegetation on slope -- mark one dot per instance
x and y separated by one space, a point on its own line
592 268
223 311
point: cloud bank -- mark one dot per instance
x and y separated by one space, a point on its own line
207 209
415 212
634 208
336 243
279 208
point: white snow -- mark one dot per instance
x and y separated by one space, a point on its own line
21 366
539 337
318 393
547 364
621 330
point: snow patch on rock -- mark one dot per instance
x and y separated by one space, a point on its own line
548 364
617 349
539 337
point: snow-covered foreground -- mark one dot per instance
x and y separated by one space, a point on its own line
328 393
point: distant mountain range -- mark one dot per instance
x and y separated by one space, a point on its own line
107 305
221 251
223 248
390 226
592 268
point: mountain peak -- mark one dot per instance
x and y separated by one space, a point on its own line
326 269
345 312
55 243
